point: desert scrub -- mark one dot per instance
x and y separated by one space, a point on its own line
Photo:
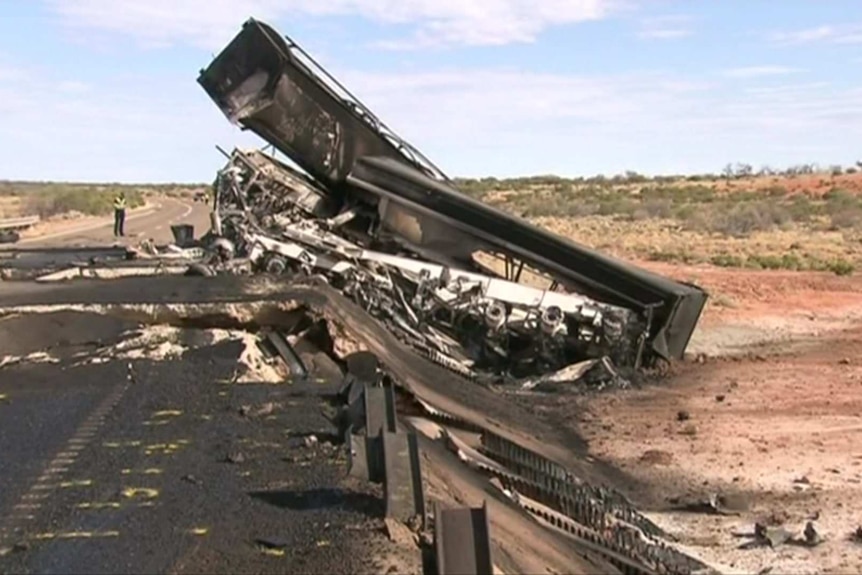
87 200
674 256
842 267
739 220
788 261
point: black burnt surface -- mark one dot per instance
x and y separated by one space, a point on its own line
246 478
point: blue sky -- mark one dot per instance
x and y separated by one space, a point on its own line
105 90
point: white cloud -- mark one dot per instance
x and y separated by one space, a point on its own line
10 72
759 71
492 100
666 27
56 127
210 23
73 87
468 121
833 33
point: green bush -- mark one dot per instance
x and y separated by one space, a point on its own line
727 261
741 219
841 267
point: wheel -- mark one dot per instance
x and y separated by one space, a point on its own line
275 265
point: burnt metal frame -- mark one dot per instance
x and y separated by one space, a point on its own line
357 108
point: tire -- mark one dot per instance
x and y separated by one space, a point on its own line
275 265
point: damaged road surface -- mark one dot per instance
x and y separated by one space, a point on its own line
612 529
130 448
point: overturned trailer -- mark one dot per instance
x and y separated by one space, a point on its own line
479 290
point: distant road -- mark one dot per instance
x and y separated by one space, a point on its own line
152 223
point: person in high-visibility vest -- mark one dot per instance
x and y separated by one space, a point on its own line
120 214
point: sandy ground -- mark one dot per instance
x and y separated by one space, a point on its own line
769 414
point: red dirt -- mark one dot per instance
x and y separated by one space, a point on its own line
783 425
812 185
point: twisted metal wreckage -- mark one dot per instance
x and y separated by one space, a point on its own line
446 273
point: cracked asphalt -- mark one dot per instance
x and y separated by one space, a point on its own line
146 466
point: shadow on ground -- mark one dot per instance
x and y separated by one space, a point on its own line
300 500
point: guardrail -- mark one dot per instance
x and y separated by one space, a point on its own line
462 540
18 223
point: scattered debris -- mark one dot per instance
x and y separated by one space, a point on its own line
235 457
767 535
689 429
35 357
251 411
399 533
715 504
774 536
683 415
273 547
857 535
812 537
192 479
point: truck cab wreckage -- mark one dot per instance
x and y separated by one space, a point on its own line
478 291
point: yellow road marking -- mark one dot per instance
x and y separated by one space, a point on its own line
148 471
272 552
76 535
140 492
76 483
98 505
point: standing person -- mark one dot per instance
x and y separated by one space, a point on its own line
120 214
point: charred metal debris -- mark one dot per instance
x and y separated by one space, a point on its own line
476 290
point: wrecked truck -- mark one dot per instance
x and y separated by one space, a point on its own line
480 291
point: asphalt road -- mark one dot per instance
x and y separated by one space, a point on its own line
152 223
144 465
94 241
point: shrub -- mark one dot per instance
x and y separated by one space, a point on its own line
841 267
740 220
653 209
727 261
87 200
849 218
